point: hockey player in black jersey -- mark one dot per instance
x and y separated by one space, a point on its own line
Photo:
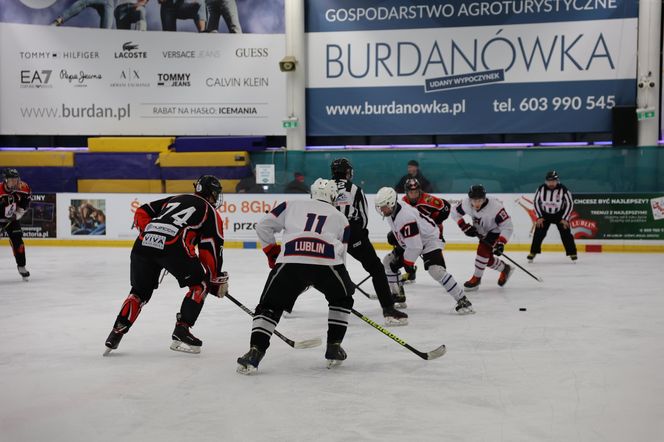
170 231
15 197
353 204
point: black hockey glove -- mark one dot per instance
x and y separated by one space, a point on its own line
392 240
498 248
467 229
409 267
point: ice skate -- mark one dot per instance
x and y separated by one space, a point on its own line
183 340
114 339
24 273
472 285
400 298
530 257
573 258
505 275
334 354
394 317
248 364
464 307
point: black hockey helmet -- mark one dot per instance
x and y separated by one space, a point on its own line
476 192
8 174
209 187
340 168
11 173
552 175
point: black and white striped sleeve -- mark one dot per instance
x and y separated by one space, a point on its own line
537 202
360 205
569 204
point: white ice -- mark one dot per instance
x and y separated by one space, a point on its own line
585 362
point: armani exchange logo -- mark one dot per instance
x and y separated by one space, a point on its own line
130 50
130 78
173 79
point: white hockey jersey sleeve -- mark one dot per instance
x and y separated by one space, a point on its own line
271 223
505 226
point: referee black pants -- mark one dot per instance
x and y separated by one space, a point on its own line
360 248
565 235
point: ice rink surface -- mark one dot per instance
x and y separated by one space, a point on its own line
585 362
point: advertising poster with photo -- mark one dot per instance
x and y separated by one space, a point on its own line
39 221
400 67
218 74
87 216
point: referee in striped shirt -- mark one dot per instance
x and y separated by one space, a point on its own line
352 203
553 205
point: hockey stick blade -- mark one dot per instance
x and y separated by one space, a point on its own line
433 354
308 343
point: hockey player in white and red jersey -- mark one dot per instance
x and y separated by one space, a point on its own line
493 226
418 235
315 237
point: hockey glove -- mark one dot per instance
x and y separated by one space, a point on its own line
219 286
467 229
409 267
498 248
396 263
272 252
392 240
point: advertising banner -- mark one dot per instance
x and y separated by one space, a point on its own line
40 218
595 217
79 80
463 66
632 216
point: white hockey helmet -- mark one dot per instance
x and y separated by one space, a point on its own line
324 190
386 197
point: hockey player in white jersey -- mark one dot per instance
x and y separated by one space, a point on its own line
315 237
418 235
490 223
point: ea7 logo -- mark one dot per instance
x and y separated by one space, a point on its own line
35 78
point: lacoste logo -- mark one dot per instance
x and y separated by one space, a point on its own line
129 46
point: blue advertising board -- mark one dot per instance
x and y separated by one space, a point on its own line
464 67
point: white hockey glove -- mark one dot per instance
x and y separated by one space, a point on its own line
219 286
19 213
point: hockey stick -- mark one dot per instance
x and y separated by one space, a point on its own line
309 343
433 354
536 278
363 281
368 295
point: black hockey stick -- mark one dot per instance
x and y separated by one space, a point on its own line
363 281
536 278
309 343
433 354
368 295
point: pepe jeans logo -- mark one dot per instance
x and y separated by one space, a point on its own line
79 79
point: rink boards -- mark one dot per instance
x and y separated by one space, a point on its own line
600 223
